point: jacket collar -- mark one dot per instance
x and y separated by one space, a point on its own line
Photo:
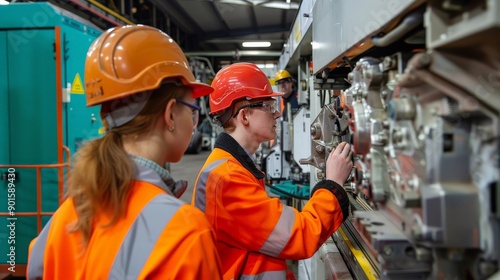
149 171
291 96
227 143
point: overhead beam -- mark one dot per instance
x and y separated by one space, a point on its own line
244 32
283 18
221 19
219 16
178 16
253 17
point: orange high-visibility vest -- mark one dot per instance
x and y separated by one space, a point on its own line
160 237
257 234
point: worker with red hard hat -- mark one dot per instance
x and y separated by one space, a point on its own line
256 234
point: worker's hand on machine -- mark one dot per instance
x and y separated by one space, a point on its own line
339 163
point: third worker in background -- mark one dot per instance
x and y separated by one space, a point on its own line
286 84
256 234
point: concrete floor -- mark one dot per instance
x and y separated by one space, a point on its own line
188 169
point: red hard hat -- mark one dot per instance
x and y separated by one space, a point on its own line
238 81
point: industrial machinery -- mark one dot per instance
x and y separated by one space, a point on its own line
206 131
414 86
43 118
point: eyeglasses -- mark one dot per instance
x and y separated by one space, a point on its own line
269 106
195 113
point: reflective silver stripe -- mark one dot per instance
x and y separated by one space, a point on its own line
143 234
200 199
142 237
35 264
268 275
280 235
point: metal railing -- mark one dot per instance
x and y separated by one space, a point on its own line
60 187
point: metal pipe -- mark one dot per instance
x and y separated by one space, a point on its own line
418 73
38 199
408 24
109 11
231 53
26 214
59 117
77 2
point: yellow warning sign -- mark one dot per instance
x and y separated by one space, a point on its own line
77 86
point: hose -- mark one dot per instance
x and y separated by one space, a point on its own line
287 193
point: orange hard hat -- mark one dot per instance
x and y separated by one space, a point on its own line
236 81
282 74
135 58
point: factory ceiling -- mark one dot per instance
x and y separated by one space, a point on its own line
214 29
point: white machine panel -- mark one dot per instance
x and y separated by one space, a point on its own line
340 25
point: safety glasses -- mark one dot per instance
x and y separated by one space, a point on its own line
269 106
195 111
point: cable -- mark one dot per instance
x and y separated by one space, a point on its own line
287 193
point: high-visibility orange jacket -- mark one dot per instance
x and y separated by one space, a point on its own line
160 237
257 234
294 104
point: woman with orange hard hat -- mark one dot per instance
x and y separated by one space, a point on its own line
122 218
256 234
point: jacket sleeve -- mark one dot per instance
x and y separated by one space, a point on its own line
250 220
194 255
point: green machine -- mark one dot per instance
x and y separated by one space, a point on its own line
43 118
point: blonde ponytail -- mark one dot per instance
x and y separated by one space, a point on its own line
102 172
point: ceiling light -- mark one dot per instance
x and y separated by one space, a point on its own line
281 5
256 44
266 66
287 5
